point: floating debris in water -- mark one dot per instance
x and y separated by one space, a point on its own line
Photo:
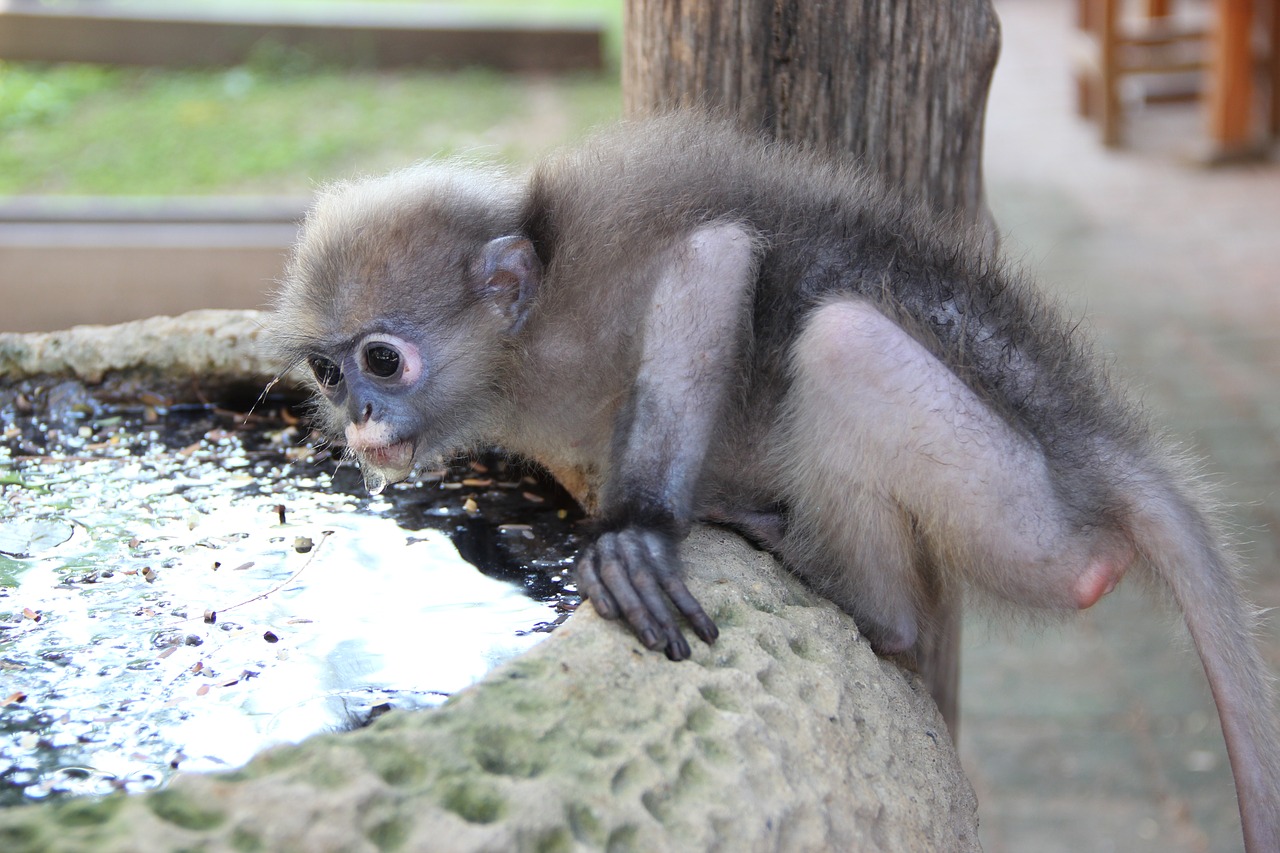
145 558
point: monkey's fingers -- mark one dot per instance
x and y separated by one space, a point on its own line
631 562
648 568
635 574
689 608
663 556
615 578
592 588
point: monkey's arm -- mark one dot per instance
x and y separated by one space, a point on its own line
691 338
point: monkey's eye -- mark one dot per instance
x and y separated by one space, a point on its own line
383 361
327 373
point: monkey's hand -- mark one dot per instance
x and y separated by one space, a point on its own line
634 572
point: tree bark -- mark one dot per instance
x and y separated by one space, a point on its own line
902 84
899 84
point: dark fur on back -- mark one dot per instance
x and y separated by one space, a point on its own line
826 228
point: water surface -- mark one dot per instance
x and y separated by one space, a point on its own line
179 589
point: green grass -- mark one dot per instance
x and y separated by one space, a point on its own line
279 124
97 131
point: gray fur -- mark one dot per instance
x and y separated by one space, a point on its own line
854 381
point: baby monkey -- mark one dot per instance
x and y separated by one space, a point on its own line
684 323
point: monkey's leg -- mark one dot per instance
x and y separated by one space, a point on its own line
899 477
691 337
871 406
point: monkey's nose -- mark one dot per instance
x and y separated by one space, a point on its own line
360 409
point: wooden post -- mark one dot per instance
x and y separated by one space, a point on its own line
899 84
1230 108
1106 14
1273 68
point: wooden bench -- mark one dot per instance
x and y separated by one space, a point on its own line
1210 51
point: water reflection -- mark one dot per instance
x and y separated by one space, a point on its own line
219 591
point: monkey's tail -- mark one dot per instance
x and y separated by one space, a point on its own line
1178 541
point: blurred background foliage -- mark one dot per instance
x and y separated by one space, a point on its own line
283 121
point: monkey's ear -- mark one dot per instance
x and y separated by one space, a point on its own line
509 275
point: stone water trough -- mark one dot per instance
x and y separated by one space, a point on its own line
787 734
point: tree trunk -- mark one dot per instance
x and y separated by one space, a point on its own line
900 84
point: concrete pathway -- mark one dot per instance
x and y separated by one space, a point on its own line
1099 734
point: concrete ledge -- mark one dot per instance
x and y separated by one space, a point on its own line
787 735
195 357
348 34
116 210
70 261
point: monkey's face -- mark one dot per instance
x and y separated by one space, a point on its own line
368 390
403 301
401 390
408 362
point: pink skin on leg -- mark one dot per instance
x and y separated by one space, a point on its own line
1101 576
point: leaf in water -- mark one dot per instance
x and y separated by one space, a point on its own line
31 538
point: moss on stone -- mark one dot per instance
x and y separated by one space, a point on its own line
246 841
389 834
508 751
473 801
175 807
22 838
89 812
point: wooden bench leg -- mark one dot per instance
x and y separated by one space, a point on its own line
1231 97
1104 14
1273 67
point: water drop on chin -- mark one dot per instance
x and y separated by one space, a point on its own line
374 481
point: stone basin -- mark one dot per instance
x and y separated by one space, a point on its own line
787 734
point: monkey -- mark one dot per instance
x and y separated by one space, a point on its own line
682 322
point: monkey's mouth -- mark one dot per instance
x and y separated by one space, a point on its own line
387 463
